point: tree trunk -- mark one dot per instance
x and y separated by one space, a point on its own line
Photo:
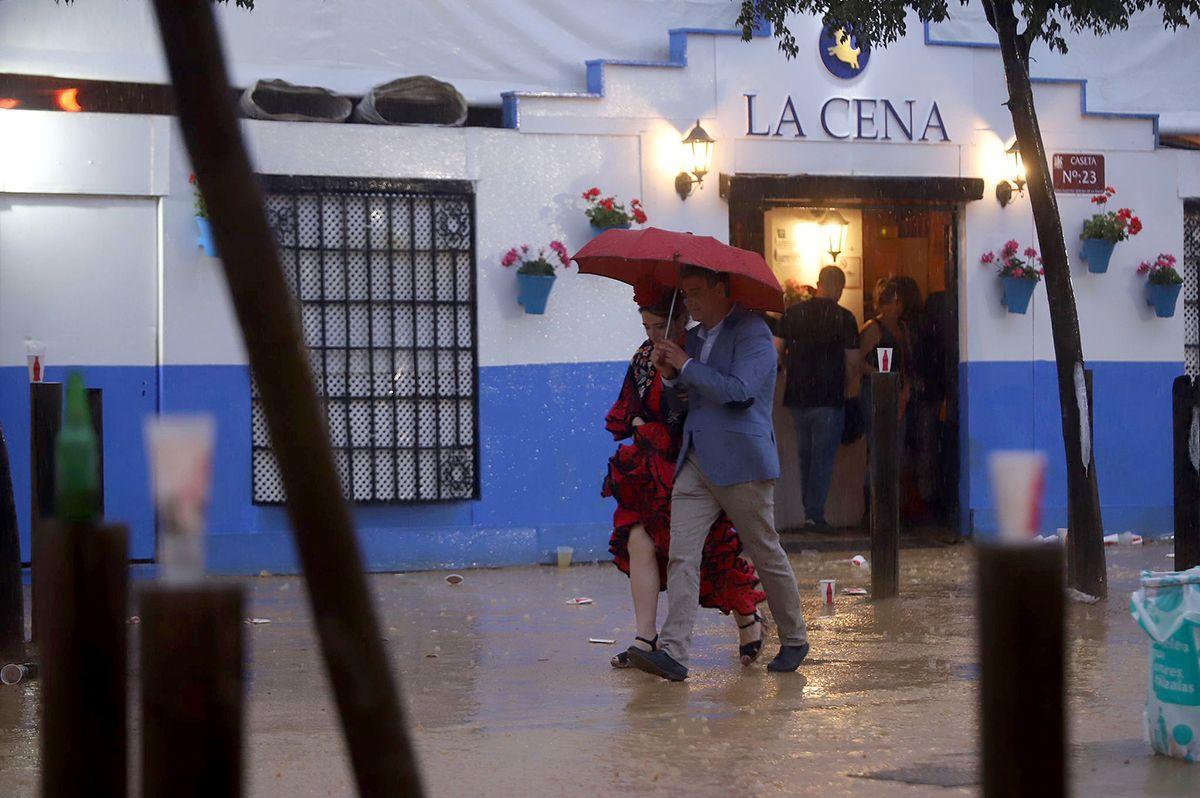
1085 543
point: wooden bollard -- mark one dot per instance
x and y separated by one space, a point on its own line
45 421
191 660
1022 655
12 598
1184 398
885 486
83 626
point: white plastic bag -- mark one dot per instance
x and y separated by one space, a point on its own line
1167 607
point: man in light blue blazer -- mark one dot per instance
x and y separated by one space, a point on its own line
728 462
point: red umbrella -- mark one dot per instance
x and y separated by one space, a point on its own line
635 255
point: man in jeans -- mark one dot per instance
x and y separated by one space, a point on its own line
820 340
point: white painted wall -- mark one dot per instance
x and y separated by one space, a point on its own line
528 187
79 274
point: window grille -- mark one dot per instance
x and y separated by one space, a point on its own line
1191 287
383 272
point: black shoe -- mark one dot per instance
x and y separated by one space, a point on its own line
788 658
658 663
622 660
748 652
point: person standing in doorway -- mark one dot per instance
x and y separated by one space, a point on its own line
820 350
727 463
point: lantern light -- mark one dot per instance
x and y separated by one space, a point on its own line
697 153
834 226
1016 170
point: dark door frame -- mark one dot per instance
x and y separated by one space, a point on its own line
750 196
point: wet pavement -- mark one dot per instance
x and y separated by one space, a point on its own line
508 698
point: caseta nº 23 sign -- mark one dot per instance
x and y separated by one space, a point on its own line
853 118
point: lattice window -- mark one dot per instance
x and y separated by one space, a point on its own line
1191 287
384 276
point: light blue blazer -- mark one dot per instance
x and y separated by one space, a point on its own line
729 402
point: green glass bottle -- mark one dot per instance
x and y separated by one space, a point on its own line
77 459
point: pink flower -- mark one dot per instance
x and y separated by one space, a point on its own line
1143 268
1010 248
561 251
524 247
1030 252
511 257
988 257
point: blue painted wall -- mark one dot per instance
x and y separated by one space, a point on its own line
544 450
1014 405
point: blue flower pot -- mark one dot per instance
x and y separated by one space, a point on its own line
534 291
1162 298
598 230
205 239
1097 251
1017 293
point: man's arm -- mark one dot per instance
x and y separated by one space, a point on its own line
753 364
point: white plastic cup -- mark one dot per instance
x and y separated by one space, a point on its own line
884 357
828 588
180 449
1017 482
35 360
564 556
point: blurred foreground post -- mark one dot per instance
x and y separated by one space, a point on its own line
83 673
191 659
1021 653
885 485
1021 647
45 419
12 598
1186 434
368 702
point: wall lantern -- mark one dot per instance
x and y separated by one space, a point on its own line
697 154
1016 170
834 226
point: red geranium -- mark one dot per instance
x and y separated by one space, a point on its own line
1009 265
1111 226
540 265
606 212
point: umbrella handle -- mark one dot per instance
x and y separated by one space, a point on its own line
671 312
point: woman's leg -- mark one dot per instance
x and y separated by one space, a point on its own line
643 583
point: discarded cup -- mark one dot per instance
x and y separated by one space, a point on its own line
854 591
604 641
858 561
564 556
884 355
17 672
828 589
579 600
454 579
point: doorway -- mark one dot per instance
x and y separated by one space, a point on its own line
902 229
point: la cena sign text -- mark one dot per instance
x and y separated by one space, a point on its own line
855 118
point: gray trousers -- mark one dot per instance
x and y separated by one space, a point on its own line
695 504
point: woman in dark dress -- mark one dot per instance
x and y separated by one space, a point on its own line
640 477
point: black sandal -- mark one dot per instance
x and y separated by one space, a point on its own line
622 660
748 652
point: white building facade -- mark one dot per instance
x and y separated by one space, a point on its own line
471 432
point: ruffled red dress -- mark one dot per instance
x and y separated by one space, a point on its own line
640 477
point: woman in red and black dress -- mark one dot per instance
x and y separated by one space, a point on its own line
640 477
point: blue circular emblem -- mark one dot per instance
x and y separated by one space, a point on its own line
842 54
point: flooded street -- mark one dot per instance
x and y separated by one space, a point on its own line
507 696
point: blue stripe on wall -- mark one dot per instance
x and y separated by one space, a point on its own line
1014 405
544 450
543 454
130 393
